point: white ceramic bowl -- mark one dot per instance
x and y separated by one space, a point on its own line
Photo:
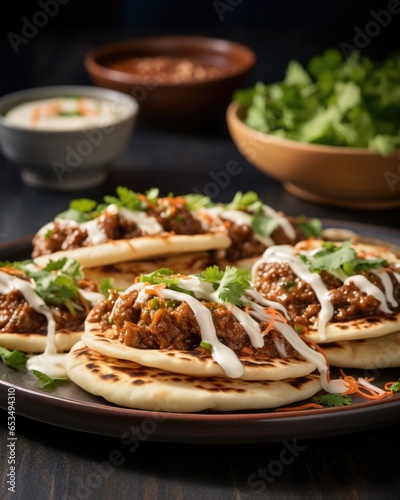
67 159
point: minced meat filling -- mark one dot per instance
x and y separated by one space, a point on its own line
17 316
246 245
176 219
278 282
163 324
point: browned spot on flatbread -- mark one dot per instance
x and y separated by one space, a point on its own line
139 381
110 376
362 323
332 345
299 382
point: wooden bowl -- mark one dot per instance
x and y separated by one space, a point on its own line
164 101
330 175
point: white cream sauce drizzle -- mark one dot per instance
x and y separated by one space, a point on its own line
369 288
223 355
285 254
388 287
96 235
146 223
245 218
50 362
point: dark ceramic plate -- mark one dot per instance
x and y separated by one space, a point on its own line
71 407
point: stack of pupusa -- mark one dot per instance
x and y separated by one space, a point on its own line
343 296
187 343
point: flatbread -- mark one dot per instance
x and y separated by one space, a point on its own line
26 318
36 342
131 385
140 248
367 327
189 362
368 354
123 274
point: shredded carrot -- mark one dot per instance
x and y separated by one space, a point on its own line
388 386
307 406
271 321
274 313
134 251
155 290
354 387
35 115
83 109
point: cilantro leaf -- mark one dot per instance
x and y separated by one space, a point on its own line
349 102
56 283
263 225
105 286
333 400
49 383
395 387
341 259
196 201
14 359
126 198
164 276
309 227
80 210
241 201
230 285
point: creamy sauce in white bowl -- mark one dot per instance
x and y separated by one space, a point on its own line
67 113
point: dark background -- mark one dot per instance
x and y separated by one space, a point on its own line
280 31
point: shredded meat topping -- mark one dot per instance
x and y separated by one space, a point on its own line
174 218
246 245
166 324
278 282
17 316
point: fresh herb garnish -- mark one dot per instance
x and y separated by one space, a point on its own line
395 387
340 101
196 201
49 383
229 285
105 286
206 345
127 198
165 276
340 260
263 225
311 228
243 201
56 282
80 210
14 359
333 400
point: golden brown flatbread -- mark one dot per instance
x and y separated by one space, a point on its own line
191 364
384 319
123 274
138 249
36 342
37 303
368 354
131 385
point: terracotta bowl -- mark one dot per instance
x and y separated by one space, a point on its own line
167 101
330 175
